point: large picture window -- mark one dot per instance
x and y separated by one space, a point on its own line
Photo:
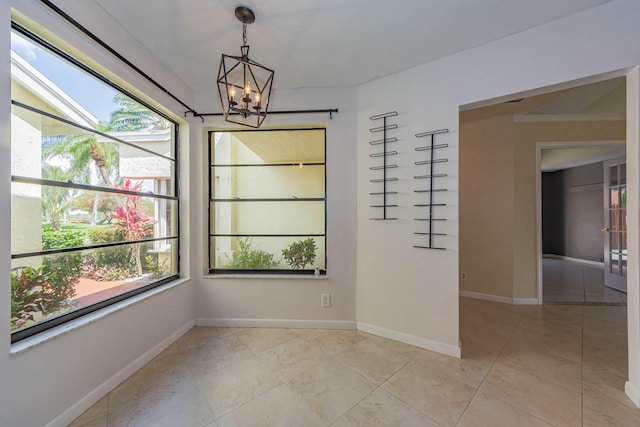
267 201
94 195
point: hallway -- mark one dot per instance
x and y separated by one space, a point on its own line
571 282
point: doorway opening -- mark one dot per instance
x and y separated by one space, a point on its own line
500 195
581 222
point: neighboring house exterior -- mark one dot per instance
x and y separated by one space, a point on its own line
28 85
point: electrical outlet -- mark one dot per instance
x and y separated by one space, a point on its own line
463 275
325 300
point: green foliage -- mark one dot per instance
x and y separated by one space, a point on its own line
246 258
133 222
118 257
105 234
55 200
36 291
107 273
155 269
85 153
300 253
66 266
132 116
60 239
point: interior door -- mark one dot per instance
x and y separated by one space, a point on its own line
615 227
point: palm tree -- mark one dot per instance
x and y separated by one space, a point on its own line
132 116
83 151
55 200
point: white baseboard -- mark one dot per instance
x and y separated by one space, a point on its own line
486 297
500 299
276 323
526 301
633 392
438 347
568 258
99 392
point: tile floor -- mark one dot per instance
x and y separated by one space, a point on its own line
575 282
561 365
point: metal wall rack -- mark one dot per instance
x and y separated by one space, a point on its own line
431 176
384 154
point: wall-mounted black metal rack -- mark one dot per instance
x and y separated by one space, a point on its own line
384 154
432 177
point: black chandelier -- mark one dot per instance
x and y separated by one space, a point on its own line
244 85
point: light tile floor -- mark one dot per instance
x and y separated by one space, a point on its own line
562 365
575 282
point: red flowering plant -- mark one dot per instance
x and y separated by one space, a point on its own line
133 222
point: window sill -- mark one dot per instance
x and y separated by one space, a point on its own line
267 276
53 333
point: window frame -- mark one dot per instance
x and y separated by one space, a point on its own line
32 330
211 235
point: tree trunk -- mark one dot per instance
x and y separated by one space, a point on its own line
137 251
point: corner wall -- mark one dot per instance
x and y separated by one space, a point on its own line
54 381
287 301
412 293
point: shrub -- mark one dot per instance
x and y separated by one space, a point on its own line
251 259
156 269
132 221
67 266
118 257
106 273
60 239
38 290
300 253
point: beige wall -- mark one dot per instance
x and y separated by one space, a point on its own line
498 193
267 182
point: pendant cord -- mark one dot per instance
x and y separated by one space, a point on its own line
244 32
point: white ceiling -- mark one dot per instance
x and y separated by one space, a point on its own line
323 43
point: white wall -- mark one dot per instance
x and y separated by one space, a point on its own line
412 294
53 382
406 293
262 301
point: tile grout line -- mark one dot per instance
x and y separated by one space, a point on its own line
377 386
397 397
489 370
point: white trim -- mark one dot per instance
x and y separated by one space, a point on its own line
550 118
568 258
486 297
438 347
246 276
275 323
633 393
68 327
539 147
526 301
586 187
500 299
139 136
46 90
99 392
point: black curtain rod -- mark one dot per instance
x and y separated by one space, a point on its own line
112 51
325 110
